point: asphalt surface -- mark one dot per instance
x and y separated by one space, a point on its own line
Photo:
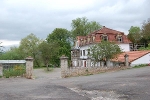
130 84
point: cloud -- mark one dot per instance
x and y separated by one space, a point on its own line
19 18
9 43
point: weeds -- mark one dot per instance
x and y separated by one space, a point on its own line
141 65
14 71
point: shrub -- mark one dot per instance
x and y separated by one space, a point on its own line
14 71
141 65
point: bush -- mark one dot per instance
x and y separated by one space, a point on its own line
141 65
14 71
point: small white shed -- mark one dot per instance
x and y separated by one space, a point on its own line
136 57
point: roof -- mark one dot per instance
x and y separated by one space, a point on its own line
13 61
107 30
133 55
112 36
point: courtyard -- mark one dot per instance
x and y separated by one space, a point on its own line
129 84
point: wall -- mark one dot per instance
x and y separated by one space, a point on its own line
79 71
124 47
8 63
1 70
143 60
86 52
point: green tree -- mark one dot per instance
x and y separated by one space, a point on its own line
48 51
61 37
146 30
29 47
104 51
81 27
12 54
134 34
1 48
145 48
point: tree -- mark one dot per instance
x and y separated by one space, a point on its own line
12 54
81 27
147 48
29 47
61 37
146 30
134 34
1 48
104 51
47 51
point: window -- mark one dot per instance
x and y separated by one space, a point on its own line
119 39
104 37
93 38
80 52
88 51
88 39
83 52
84 41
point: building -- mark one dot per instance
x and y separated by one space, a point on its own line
81 49
134 57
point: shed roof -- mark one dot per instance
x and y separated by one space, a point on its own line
12 61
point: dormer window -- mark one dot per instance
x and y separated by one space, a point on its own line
93 38
84 41
119 38
81 41
104 37
88 39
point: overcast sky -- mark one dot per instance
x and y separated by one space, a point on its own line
19 18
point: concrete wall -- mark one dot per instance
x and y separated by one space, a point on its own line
1 70
143 60
29 65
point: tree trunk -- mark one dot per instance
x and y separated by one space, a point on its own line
37 63
47 67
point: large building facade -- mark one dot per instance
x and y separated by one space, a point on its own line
79 53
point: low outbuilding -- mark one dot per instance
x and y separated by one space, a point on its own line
135 57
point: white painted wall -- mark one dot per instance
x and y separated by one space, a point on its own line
86 47
143 60
124 47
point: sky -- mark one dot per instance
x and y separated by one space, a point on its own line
19 18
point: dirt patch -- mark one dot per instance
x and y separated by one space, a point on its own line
42 73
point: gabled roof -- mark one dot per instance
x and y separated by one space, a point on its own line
107 30
133 55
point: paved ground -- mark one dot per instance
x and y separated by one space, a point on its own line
130 84
42 73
